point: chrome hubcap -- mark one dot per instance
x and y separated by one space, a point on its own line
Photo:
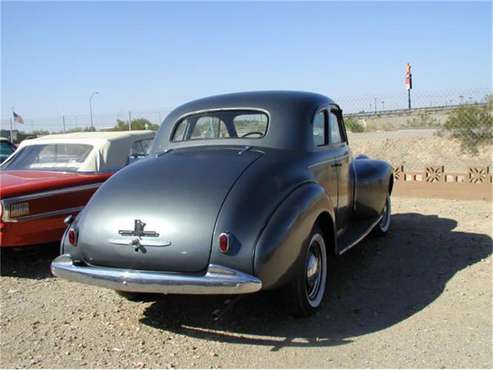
313 270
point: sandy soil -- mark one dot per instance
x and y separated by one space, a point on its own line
421 297
416 149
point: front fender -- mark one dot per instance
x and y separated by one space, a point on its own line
373 182
279 247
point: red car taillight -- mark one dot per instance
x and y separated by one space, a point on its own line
72 236
224 242
19 210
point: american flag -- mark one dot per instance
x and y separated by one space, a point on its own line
18 118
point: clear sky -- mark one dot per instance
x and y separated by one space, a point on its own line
154 55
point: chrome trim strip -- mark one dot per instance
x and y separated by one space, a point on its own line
217 280
38 216
6 202
49 193
361 237
139 242
246 108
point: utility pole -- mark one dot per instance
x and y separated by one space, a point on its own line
63 121
129 121
90 107
11 134
375 104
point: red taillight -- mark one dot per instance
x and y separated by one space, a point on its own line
72 236
224 242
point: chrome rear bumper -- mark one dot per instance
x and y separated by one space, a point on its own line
217 279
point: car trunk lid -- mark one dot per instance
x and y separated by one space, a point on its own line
159 213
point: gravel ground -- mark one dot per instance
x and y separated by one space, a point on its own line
421 297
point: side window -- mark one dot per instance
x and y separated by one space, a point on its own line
320 129
334 129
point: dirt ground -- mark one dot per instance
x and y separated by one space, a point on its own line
416 149
421 297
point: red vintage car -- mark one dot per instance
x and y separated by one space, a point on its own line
52 177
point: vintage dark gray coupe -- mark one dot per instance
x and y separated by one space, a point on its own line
241 192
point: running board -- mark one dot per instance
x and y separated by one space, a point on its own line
355 232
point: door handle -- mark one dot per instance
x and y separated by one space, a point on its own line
338 164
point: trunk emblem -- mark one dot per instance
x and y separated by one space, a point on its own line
138 230
137 243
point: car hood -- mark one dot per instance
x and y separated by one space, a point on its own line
176 197
15 183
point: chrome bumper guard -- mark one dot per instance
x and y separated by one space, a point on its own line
217 280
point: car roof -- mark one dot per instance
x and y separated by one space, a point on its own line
267 100
290 113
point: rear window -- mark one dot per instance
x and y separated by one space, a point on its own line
226 124
50 157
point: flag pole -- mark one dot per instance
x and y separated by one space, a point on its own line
11 125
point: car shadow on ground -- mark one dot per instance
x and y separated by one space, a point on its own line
28 262
379 283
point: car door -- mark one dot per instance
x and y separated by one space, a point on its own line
338 145
325 166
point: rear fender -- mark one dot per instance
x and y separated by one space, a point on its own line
279 247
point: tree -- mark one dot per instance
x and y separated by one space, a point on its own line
471 125
137 124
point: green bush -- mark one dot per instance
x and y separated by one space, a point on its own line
471 125
353 125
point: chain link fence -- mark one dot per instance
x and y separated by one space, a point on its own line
79 122
452 129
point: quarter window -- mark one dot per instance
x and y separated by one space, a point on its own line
335 132
319 129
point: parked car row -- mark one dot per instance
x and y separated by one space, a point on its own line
52 177
239 193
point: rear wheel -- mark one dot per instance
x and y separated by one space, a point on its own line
304 294
383 225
